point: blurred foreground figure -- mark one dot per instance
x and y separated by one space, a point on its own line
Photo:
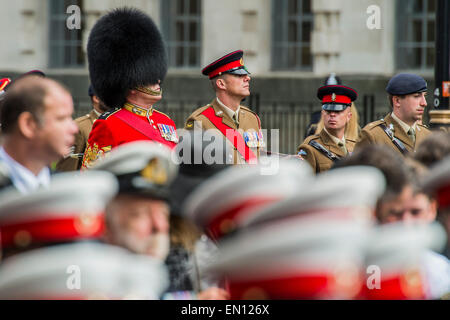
221 204
127 71
51 246
309 245
405 204
37 129
138 218
434 148
316 244
201 155
399 190
437 183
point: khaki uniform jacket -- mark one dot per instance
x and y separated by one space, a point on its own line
84 124
248 122
317 159
372 133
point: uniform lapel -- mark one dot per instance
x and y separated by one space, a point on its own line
242 119
221 113
399 132
330 144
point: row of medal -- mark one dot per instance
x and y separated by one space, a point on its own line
254 139
168 132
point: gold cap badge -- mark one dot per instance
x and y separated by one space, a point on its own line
154 172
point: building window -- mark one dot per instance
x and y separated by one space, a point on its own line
66 48
415 25
181 26
292 24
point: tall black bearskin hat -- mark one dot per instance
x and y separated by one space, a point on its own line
125 50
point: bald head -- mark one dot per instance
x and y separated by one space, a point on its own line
27 94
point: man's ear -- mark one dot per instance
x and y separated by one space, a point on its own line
95 99
27 124
396 101
220 83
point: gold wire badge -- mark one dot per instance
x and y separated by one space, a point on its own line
154 172
241 61
333 97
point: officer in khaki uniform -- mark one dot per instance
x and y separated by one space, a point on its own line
240 125
401 129
73 161
323 149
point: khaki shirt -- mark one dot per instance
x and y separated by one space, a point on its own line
84 124
248 122
372 133
317 159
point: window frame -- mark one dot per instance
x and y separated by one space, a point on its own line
404 21
280 26
170 18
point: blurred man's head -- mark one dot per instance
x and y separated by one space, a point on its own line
414 206
433 148
139 224
138 218
399 190
38 111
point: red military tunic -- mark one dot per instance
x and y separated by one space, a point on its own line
127 124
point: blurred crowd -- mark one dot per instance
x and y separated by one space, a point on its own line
120 204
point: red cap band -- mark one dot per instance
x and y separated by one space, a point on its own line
224 222
336 99
226 67
51 229
443 197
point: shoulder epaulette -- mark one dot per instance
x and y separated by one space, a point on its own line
107 114
82 118
309 138
200 110
248 109
254 113
374 124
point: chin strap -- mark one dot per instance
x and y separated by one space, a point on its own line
149 91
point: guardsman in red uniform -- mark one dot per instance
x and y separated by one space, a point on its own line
240 125
126 72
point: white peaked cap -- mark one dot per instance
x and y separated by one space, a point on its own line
105 272
350 192
134 156
245 188
71 207
142 167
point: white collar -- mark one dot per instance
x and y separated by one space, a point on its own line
23 179
96 112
